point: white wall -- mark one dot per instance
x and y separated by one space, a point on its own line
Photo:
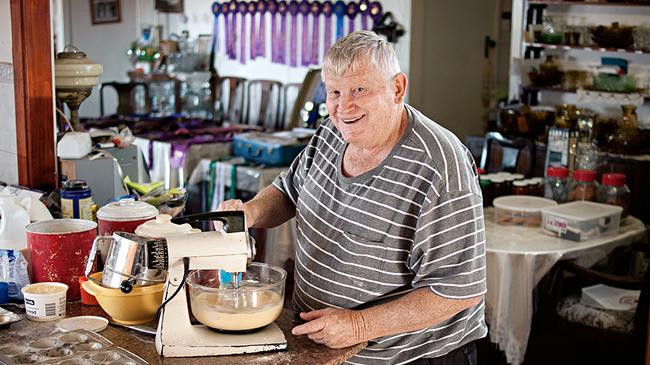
8 156
103 43
107 44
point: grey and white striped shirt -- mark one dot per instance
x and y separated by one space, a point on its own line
414 221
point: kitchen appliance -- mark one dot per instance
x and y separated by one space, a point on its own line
228 251
102 173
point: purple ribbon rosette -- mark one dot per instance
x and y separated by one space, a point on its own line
216 10
242 9
304 9
232 8
351 12
283 8
251 8
339 10
315 34
375 13
364 9
327 9
225 11
260 45
272 7
293 36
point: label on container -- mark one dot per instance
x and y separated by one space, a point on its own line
555 224
77 208
157 255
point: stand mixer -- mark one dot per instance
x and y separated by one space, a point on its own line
231 251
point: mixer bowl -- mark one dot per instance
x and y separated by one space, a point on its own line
256 303
137 307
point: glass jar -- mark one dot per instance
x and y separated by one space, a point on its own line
487 190
520 187
614 191
556 183
624 139
499 187
565 115
583 186
535 186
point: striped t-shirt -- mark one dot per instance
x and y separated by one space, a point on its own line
414 221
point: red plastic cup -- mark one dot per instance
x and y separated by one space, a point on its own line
86 298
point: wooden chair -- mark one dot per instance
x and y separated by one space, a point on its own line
263 104
575 333
230 91
125 96
306 93
517 155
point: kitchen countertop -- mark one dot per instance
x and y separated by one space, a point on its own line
300 349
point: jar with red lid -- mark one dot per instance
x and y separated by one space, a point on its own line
614 191
583 186
556 183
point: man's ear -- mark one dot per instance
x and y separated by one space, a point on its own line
400 82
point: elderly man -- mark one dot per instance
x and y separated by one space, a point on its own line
391 239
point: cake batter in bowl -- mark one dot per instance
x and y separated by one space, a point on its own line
255 303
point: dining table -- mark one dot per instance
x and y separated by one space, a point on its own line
518 257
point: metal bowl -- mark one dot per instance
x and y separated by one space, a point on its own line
257 302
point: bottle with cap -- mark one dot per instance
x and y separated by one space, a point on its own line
583 186
76 200
556 183
614 191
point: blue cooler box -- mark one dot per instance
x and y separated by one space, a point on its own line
270 149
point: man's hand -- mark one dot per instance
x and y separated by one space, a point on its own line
233 204
334 328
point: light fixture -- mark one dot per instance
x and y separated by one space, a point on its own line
74 78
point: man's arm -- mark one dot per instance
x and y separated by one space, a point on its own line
421 308
268 209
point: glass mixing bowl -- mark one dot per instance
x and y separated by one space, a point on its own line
257 301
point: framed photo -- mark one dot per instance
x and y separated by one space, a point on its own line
105 11
169 6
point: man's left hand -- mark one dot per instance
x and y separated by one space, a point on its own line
334 328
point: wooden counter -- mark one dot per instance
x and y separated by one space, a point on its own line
300 350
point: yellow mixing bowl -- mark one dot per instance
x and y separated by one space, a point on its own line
137 307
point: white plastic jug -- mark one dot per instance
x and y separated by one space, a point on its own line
13 219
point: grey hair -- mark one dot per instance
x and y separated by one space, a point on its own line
346 54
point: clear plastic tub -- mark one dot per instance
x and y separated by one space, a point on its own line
581 220
520 210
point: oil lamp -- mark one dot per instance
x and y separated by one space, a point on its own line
74 78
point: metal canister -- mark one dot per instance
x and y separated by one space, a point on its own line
76 200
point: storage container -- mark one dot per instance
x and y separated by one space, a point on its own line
270 149
581 220
520 210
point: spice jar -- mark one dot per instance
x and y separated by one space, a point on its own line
556 183
583 186
614 191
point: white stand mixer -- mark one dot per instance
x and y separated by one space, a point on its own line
230 251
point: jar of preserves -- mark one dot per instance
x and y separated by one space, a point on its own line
487 190
583 186
520 187
499 187
556 183
614 191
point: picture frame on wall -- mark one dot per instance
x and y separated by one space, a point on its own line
105 11
169 6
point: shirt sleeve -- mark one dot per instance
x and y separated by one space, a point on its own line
448 253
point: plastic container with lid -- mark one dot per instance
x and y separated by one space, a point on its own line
124 215
581 220
520 210
614 191
583 186
556 183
